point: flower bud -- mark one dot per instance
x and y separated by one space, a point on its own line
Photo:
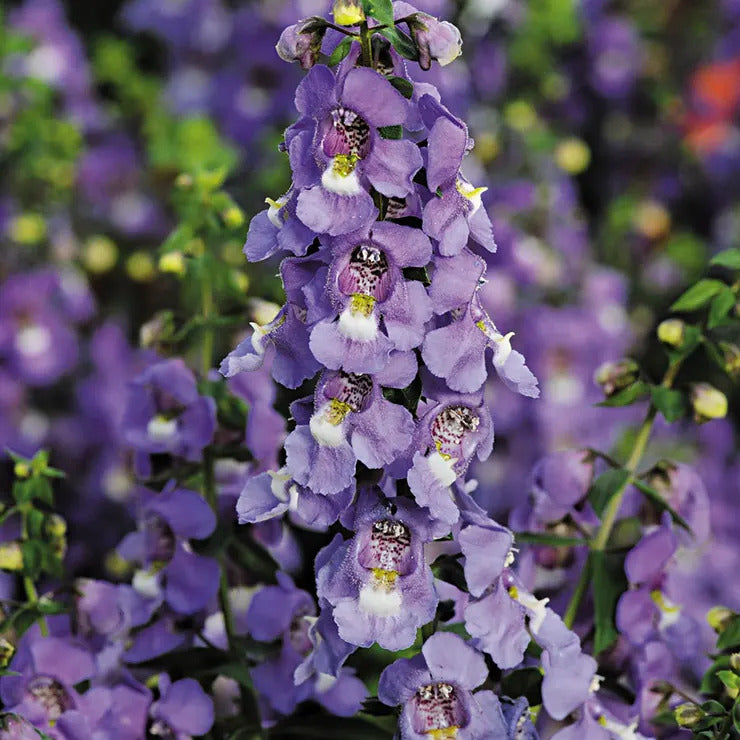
731 353
708 403
11 556
233 217
719 618
688 714
435 40
173 262
735 662
7 650
100 254
348 12
671 332
22 470
56 526
302 42
613 376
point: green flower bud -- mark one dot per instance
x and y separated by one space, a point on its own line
233 217
348 12
731 354
671 332
735 662
11 556
22 470
56 526
7 650
613 376
708 402
173 262
688 714
719 618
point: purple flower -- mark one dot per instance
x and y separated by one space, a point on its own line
365 284
377 585
436 691
302 41
345 147
286 613
451 430
47 668
166 414
351 421
172 571
182 710
454 212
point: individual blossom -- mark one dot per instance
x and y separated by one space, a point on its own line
454 212
452 429
41 687
285 612
170 570
435 689
302 41
344 147
183 709
377 584
166 414
351 421
435 40
366 284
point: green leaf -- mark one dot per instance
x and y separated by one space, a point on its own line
608 584
33 558
404 86
340 51
391 132
721 305
381 10
524 682
727 258
730 637
671 403
692 339
628 395
736 715
698 295
710 684
401 43
729 679
661 503
605 486
543 538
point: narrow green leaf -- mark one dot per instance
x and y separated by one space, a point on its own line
671 403
404 86
341 51
401 43
727 258
381 10
730 637
605 486
721 305
391 132
629 395
661 503
608 584
698 295
543 538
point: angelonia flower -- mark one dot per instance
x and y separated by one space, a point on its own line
381 235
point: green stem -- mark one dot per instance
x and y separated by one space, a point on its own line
208 336
365 43
601 539
30 588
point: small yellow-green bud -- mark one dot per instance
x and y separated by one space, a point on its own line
708 403
688 714
99 255
233 217
613 376
22 470
7 650
719 618
11 556
195 247
731 354
242 280
671 332
173 262
520 115
735 662
572 155
56 526
140 267
348 12
27 228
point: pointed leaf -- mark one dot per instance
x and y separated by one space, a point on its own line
698 295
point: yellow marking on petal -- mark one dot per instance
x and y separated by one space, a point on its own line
504 337
443 455
362 304
337 411
385 578
444 733
602 720
469 194
481 325
662 603
274 203
514 592
344 164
